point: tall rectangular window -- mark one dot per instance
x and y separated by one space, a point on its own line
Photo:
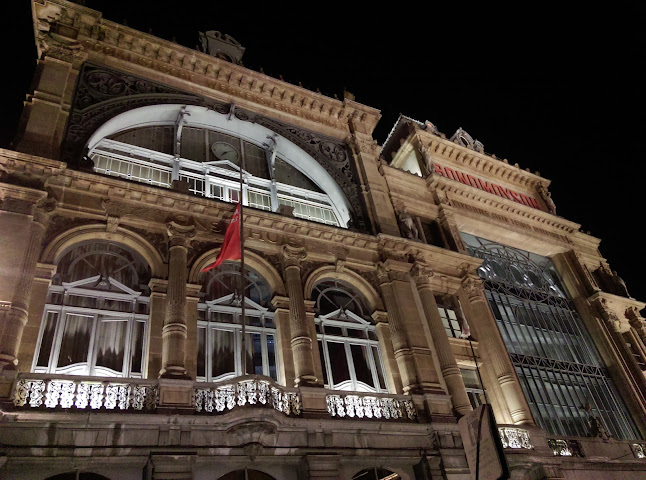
559 368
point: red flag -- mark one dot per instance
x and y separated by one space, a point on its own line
230 249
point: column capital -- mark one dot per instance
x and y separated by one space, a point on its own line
387 272
293 256
180 235
422 274
472 286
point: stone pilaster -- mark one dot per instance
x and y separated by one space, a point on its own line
156 316
403 353
29 211
493 351
285 358
174 332
386 346
192 299
450 371
301 340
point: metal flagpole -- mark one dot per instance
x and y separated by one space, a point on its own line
242 276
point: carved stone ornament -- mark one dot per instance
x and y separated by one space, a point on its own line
473 287
57 32
422 274
293 256
103 93
180 235
387 275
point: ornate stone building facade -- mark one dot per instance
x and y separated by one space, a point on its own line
381 284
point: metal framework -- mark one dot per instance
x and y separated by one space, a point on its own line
559 367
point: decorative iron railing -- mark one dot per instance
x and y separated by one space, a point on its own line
512 437
565 448
247 391
639 450
370 406
65 392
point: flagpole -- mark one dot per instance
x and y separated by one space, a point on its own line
242 278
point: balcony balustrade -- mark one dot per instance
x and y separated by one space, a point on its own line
380 406
69 392
252 391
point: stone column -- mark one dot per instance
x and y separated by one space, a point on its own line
29 210
156 316
393 378
301 341
454 383
403 354
493 350
285 359
174 331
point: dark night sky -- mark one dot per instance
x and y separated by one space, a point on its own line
554 88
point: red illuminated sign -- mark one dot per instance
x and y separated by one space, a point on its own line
488 187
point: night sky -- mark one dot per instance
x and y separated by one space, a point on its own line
548 86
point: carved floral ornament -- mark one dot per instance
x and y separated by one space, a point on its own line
473 287
292 256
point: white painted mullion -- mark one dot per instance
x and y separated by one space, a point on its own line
348 355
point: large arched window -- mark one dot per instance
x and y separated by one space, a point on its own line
219 329
206 151
96 317
348 344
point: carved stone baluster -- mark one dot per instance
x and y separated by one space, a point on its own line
448 366
492 350
174 331
300 332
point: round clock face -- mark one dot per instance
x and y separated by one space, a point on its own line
225 151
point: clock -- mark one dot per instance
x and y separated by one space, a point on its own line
225 151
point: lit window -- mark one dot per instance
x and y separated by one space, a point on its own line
348 345
96 319
219 331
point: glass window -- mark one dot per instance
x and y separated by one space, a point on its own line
146 155
350 356
93 325
557 363
220 350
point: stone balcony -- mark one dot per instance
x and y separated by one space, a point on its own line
48 392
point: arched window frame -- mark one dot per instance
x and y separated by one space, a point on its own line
260 330
375 363
160 169
80 299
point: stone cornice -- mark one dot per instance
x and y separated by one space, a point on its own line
479 163
470 195
210 76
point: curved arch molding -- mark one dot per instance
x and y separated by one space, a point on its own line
102 94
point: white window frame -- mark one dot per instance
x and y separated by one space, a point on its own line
355 323
252 309
94 315
223 174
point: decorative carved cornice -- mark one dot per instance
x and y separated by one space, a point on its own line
98 38
618 312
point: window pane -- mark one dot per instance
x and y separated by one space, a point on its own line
338 362
222 360
361 366
271 357
323 365
137 347
76 340
201 355
47 339
380 373
110 344
254 354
